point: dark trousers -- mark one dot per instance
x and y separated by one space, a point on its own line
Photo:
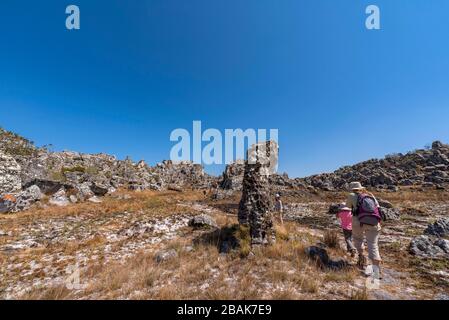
348 240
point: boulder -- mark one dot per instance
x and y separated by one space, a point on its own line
60 198
20 201
99 190
439 228
84 191
424 246
321 257
389 214
318 254
385 204
47 187
203 221
27 198
7 204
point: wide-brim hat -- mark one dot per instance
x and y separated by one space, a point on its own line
355 186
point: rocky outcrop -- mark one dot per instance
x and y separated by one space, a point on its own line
10 172
431 244
20 201
256 202
426 247
86 176
233 176
427 168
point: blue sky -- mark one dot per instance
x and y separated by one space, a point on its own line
337 92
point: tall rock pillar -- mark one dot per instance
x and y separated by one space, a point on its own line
256 203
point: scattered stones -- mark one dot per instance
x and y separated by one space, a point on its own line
203 221
439 228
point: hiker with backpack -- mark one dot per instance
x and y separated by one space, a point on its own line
365 223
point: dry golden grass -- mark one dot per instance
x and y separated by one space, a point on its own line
331 239
202 274
360 294
280 271
137 202
59 292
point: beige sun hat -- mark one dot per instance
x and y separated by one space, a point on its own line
355 186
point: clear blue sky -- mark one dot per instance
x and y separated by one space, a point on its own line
138 69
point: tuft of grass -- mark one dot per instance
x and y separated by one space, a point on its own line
244 240
285 294
361 294
59 292
331 239
282 233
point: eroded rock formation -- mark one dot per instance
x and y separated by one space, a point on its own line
256 203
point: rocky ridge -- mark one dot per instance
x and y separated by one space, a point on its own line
425 168
28 173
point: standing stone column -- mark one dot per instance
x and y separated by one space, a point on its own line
256 203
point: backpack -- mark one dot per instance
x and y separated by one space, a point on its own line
367 210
